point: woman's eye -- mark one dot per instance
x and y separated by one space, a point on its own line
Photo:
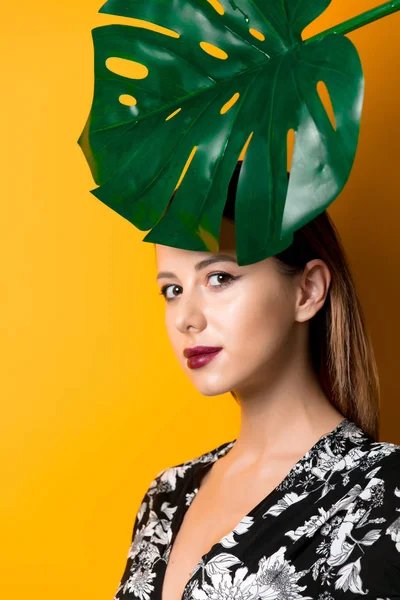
217 275
220 275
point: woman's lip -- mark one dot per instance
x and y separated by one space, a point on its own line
199 360
196 350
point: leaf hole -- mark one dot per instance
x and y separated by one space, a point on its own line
244 150
127 100
143 24
213 50
217 6
290 140
173 114
257 34
228 105
208 239
327 102
126 68
185 168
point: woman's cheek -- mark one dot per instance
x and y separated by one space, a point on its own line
263 327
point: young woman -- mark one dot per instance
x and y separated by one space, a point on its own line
305 503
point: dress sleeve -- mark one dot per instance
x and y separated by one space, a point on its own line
382 562
141 524
390 556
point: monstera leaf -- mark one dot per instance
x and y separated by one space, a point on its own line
198 108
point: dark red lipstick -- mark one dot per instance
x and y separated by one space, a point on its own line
198 356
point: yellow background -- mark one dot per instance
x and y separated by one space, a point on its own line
94 403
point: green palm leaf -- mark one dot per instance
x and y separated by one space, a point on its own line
137 154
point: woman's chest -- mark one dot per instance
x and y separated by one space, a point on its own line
201 528
212 515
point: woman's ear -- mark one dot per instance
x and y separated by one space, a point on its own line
313 287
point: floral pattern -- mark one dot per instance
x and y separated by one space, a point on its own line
329 530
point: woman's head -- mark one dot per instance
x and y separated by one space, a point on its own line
297 308
256 314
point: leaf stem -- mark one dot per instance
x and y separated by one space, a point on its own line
359 21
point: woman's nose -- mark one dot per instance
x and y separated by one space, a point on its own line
190 312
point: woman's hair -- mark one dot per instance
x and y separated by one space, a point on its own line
340 344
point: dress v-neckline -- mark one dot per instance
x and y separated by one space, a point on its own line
198 469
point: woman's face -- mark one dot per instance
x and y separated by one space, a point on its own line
249 311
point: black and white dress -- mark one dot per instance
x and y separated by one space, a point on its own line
329 530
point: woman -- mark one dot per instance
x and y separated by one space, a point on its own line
305 502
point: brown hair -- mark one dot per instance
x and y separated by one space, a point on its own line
340 344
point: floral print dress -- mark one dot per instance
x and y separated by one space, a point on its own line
329 530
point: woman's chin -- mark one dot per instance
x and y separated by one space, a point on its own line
214 388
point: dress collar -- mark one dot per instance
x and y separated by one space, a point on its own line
324 447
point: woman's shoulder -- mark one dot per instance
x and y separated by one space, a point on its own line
386 456
375 471
357 447
388 464
169 478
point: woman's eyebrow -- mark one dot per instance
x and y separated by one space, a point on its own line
202 264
